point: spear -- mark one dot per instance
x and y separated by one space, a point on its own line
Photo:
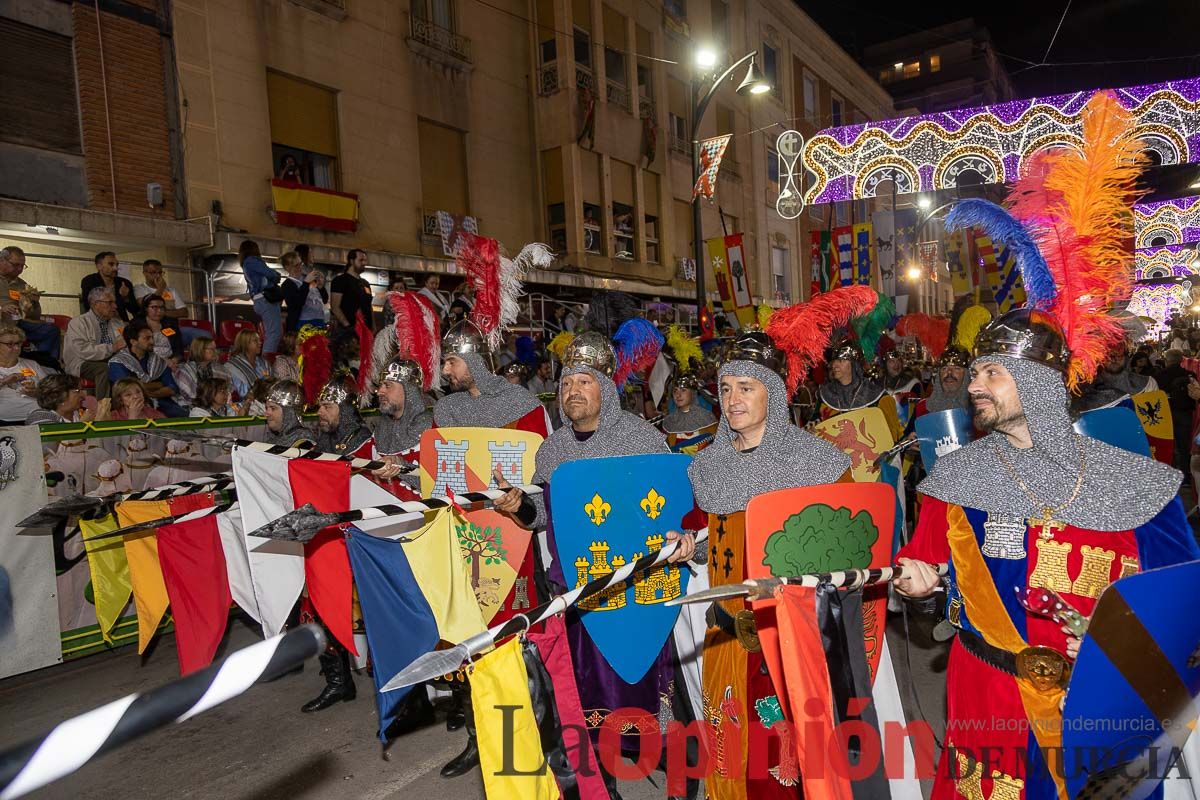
764 588
73 505
222 502
441 662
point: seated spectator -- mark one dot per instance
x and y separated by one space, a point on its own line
202 363
245 365
156 283
303 295
139 361
106 276
263 284
543 381
19 377
212 398
429 291
168 341
21 303
93 338
286 367
256 404
129 401
60 399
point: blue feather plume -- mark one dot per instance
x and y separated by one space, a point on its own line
638 344
1002 228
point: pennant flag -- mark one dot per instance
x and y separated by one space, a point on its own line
739 277
413 594
986 251
884 223
237 562
821 259
719 258
864 251
958 260
193 569
510 745
452 227
904 238
145 573
326 565
711 152
927 253
111 584
844 237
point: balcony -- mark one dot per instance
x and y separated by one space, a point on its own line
679 144
437 38
548 80
431 231
645 108
304 206
584 79
617 94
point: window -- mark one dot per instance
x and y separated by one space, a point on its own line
304 131
556 211
772 174
835 111
719 14
37 87
621 174
439 12
645 79
615 45
583 48
650 217
810 99
676 9
683 230
443 157
593 211
614 65
935 62
770 66
547 48
912 69
677 106
779 274
885 75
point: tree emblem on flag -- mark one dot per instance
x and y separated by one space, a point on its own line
480 546
711 152
807 538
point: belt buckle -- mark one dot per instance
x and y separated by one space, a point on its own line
746 630
1044 667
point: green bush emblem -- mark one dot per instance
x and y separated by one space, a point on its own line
820 539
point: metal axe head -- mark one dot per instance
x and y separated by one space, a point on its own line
59 510
298 526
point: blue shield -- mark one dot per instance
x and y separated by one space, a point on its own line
1118 426
1130 703
608 512
941 432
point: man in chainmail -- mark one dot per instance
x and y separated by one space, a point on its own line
478 398
340 428
402 418
949 383
1030 505
283 405
687 416
756 450
849 389
595 426
1115 384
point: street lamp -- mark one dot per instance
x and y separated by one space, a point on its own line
753 84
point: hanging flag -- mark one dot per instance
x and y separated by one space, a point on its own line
237 562
884 223
843 237
958 260
986 251
510 744
145 574
413 594
111 584
1010 292
452 227
927 254
904 239
821 259
193 568
719 258
864 251
739 279
711 152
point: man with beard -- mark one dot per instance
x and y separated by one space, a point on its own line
283 406
756 450
949 383
687 416
849 389
1029 505
402 419
478 398
1116 383
598 428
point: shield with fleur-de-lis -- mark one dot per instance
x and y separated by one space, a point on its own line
606 513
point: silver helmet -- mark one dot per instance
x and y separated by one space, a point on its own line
756 346
338 391
403 370
844 348
1025 333
591 349
286 394
464 338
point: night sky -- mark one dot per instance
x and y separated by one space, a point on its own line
1156 41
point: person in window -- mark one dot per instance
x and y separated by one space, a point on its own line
212 398
129 401
263 284
289 169
245 363
168 341
156 283
106 276
286 367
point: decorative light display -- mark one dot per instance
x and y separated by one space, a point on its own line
935 151
1172 261
1159 302
1174 222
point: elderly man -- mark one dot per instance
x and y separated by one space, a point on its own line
92 339
156 283
106 276
284 403
138 360
21 303
19 377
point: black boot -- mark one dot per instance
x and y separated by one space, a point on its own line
468 759
415 713
339 684
456 717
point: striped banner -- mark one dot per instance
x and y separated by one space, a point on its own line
844 237
1010 292
821 259
958 260
987 260
864 251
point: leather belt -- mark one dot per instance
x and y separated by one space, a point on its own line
1044 667
995 657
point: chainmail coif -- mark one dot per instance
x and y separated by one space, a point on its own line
351 434
291 432
860 392
499 402
1120 490
395 435
725 479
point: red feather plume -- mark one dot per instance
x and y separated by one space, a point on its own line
803 330
418 334
317 365
932 332
479 258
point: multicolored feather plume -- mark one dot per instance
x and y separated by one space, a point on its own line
870 326
803 330
932 332
498 282
638 344
1002 228
414 333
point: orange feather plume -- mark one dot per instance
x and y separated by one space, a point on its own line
1078 207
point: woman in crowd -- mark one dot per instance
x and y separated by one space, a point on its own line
129 401
168 341
212 398
286 367
60 399
202 361
245 363
256 404
263 284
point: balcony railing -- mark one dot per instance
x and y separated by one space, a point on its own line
439 38
679 144
584 79
617 94
548 79
645 108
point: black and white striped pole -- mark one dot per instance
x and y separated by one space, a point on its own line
73 743
762 588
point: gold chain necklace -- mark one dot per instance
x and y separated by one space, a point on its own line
1047 523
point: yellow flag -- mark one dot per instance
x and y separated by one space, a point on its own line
510 745
149 590
110 572
437 563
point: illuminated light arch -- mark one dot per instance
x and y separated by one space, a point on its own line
1164 141
1049 141
1176 221
1146 237
882 169
957 161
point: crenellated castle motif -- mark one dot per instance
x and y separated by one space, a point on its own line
657 585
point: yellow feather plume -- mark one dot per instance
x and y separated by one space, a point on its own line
683 348
764 313
558 345
970 322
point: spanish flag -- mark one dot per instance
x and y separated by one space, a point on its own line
313 207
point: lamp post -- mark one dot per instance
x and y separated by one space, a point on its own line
753 83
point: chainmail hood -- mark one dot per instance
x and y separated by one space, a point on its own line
859 393
291 432
679 422
1111 388
1120 490
941 400
725 479
351 434
395 435
499 402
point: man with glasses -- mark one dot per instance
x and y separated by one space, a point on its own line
156 283
21 303
18 376
106 276
93 338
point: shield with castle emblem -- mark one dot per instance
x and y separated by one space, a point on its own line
1117 426
863 435
606 513
495 548
942 432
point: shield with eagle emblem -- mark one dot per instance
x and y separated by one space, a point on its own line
1154 411
609 512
